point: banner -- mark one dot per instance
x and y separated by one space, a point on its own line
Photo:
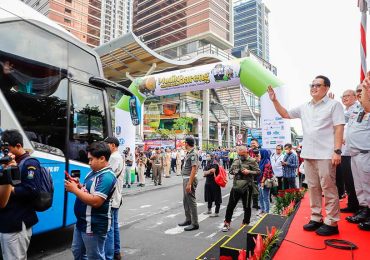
248 72
200 132
234 141
219 134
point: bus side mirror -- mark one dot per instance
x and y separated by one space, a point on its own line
135 110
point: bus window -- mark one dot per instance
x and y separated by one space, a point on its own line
82 60
88 115
26 40
43 117
19 74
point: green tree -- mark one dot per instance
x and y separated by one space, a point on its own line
165 133
183 123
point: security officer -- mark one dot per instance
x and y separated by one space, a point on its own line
190 182
157 164
244 168
357 139
18 216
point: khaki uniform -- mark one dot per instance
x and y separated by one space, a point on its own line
141 162
167 164
157 164
189 199
246 196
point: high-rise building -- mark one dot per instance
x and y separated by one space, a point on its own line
251 28
179 28
116 19
80 17
92 21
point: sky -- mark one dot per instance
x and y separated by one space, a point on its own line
313 37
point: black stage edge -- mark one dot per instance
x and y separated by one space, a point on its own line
235 243
284 230
213 252
267 221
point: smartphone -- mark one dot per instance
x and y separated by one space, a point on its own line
70 178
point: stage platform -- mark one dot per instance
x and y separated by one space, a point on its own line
311 246
347 231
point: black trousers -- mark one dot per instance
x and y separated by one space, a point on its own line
148 168
233 201
345 170
173 164
339 180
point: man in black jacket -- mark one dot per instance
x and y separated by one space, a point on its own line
18 216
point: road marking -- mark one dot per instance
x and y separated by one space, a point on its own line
173 215
212 235
145 206
227 195
197 235
199 204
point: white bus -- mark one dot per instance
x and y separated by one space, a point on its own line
52 90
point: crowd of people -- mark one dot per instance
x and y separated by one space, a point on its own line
333 163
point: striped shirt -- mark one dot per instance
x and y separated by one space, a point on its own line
290 169
96 220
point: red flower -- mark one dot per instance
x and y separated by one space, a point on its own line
223 257
242 254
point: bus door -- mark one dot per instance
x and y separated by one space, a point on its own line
87 124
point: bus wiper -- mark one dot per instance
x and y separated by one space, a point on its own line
104 83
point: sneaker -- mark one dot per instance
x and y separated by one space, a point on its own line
226 227
209 212
191 227
326 230
312 225
214 215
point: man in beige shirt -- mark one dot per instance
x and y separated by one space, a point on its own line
323 124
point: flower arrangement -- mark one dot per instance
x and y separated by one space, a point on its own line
263 246
285 198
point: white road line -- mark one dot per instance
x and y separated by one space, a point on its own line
173 215
212 235
227 195
197 235
200 204
145 206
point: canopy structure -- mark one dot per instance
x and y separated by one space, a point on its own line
127 54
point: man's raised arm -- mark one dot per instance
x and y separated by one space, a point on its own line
279 108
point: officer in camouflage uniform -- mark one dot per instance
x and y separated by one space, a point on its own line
190 182
244 169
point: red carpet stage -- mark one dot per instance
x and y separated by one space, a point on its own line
347 231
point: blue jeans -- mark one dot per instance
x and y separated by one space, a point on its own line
112 244
264 198
88 246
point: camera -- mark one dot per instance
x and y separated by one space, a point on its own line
8 175
256 151
360 116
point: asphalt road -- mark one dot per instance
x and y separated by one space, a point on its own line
148 219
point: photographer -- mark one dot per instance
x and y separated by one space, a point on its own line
245 169
18 216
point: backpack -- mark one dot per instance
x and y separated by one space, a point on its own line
44 187
221 178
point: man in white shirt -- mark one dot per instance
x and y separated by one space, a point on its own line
112 244
277 167
323 124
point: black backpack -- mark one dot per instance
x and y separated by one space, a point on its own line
44 187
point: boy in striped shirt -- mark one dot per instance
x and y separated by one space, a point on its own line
93 204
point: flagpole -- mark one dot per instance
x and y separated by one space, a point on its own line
363 8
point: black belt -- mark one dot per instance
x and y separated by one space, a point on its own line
363 151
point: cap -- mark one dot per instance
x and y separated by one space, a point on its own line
112 140
190 140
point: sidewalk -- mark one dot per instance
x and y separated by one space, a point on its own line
149 184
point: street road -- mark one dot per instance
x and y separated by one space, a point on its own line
148 221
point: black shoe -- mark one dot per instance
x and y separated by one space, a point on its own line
185 223
256 207
365 225
360 217
326 230
312 225
348 210
191 227
159 183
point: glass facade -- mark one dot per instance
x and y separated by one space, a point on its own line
161 23
251 28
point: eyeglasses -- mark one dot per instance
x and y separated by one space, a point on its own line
316 85
358 90
346 96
